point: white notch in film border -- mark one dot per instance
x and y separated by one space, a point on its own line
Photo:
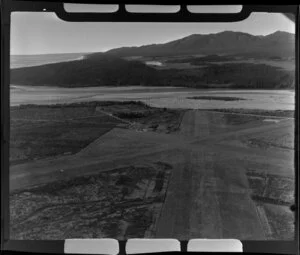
136 245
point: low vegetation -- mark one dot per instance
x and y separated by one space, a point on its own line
144 118
121 203
33 138
273 195
40 131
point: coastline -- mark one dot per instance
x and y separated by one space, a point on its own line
45 62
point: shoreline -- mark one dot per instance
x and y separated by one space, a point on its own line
48 62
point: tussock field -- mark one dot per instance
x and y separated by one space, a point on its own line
124 202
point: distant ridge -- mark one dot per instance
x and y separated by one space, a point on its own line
279 43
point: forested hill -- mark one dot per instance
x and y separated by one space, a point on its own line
96 70
106 70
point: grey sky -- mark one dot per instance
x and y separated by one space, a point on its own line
43 33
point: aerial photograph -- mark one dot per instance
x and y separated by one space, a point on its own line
152 130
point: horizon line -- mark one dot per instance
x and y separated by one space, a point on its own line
57 53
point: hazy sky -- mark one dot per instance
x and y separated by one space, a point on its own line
42 33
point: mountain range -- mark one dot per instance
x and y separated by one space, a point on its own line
281 44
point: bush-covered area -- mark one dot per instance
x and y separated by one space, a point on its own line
102 70
131 115
250 76
202 60
94 71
